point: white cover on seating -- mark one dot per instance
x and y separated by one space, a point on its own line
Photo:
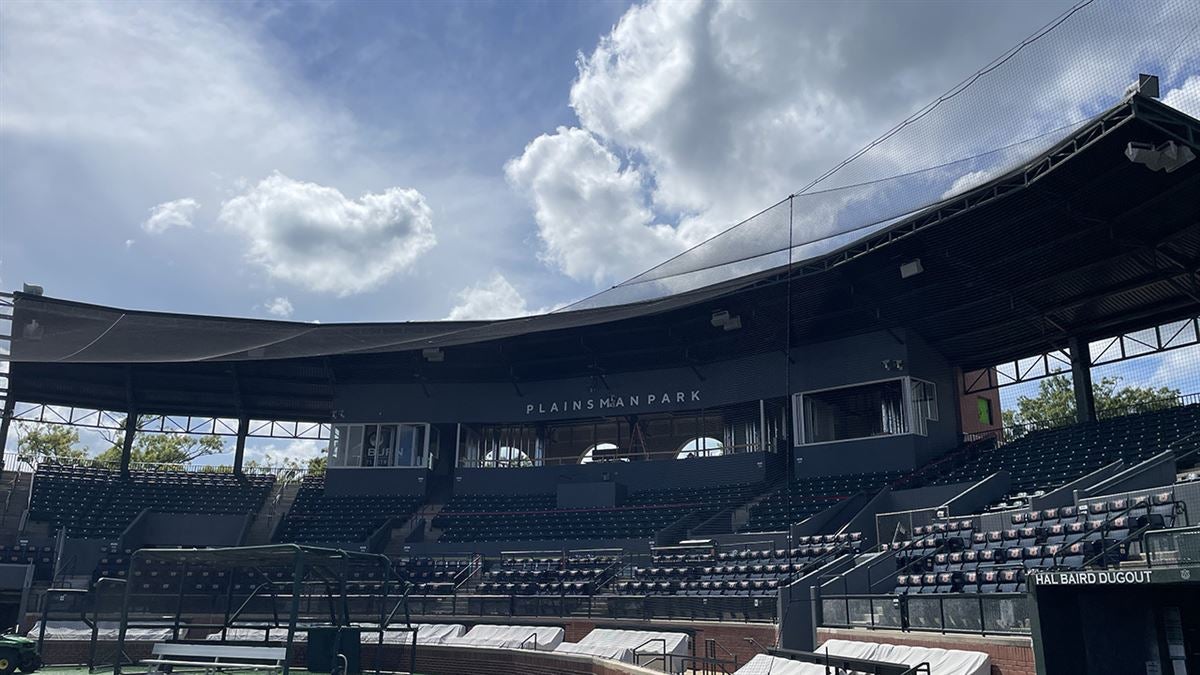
764 664
106 630
941 661
252 634
427 634
548 637
633 646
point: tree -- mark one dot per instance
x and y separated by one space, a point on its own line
162 448
49 443
316 465
1055 402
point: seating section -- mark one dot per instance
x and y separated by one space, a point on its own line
41 557
955 558
745 572
812 495
1048 458
471 518
428 576
318 518
98 503
572 574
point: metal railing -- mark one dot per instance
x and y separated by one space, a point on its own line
728 608
975 613
1174 546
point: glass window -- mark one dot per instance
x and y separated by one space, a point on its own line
924 405
602 452
354 453
863 411
406 445
506 456
701 447
337 446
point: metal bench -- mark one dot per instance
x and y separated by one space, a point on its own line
213 658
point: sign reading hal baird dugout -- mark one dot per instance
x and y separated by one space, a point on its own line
648 401
1117 577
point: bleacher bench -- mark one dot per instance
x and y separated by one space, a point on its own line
213 658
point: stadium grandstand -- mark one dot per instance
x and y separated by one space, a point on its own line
773 453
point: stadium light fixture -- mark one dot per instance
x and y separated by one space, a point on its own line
724 320
911 268
1163 157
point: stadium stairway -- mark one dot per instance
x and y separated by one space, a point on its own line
275 507
14 499
734 518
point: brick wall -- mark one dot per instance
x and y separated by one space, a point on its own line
1010 655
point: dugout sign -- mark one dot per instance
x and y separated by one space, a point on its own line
1114 577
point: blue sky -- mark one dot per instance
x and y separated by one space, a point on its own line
323 161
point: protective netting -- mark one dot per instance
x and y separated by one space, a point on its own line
998 120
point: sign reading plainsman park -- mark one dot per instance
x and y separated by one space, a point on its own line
615 402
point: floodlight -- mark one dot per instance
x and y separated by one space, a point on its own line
1165 157
911 268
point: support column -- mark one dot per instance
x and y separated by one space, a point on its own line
239 451
5 423
1081 378
131 423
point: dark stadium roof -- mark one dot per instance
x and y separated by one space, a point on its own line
1079 241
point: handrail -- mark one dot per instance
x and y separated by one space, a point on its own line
666 663
533 635
1169 530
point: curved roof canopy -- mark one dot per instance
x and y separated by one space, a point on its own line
1078 241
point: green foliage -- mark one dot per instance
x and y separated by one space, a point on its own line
169 449
1054 404
316 466
49 443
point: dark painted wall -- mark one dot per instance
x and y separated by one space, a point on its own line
155 530
377 481
857 359
869 358
727 470
734 381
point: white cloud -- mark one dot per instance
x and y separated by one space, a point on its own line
274 454
280 307
316 237
495 298
966 182
177 79
175 213
591 218
695 115
1186 97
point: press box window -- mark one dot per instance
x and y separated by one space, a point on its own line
887 408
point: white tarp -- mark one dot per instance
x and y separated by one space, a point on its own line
263 634
763 664
106 630
548 637
941 661
635 646
427 634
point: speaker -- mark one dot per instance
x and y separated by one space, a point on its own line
325 643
